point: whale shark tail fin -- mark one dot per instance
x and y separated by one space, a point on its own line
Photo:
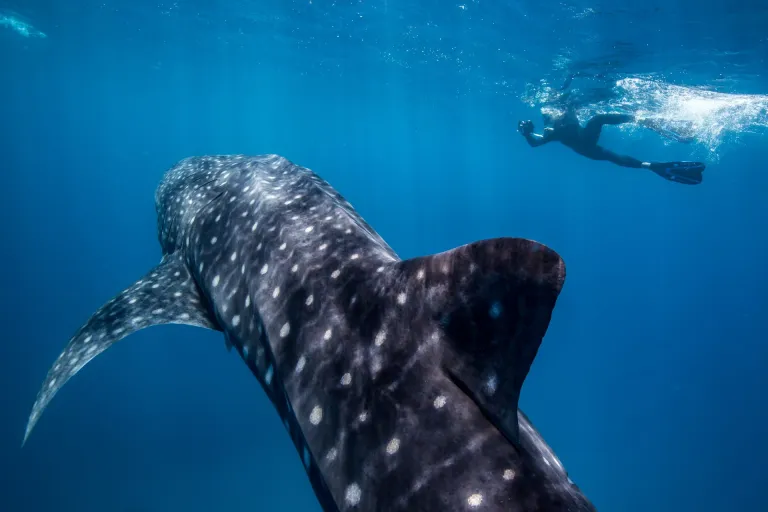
492 301
165 295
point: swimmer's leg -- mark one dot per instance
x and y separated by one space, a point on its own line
622 160
594 126
686 173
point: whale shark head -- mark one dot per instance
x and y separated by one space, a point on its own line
397 380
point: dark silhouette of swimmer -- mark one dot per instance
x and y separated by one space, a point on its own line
583 140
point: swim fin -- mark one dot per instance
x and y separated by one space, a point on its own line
687 173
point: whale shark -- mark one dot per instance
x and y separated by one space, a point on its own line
398 381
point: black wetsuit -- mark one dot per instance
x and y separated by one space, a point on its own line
583 140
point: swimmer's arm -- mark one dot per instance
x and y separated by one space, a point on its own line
535 140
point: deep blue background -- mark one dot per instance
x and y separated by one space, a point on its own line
650 383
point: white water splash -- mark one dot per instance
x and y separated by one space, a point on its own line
15 22
712 117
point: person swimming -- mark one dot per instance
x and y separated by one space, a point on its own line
566 129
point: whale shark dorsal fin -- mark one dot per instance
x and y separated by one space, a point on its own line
493 301
165 295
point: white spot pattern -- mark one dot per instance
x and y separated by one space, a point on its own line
353 494
316 416
475 500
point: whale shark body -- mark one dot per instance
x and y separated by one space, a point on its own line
397 380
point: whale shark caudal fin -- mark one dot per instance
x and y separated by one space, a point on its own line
165 295
492 301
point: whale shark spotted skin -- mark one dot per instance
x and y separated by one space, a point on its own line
397 380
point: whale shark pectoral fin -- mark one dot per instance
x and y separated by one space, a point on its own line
166 295
227 342
493 300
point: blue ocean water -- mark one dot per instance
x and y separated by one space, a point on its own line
650 382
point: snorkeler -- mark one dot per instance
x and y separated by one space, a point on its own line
583 140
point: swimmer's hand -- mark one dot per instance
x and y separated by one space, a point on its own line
525 127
